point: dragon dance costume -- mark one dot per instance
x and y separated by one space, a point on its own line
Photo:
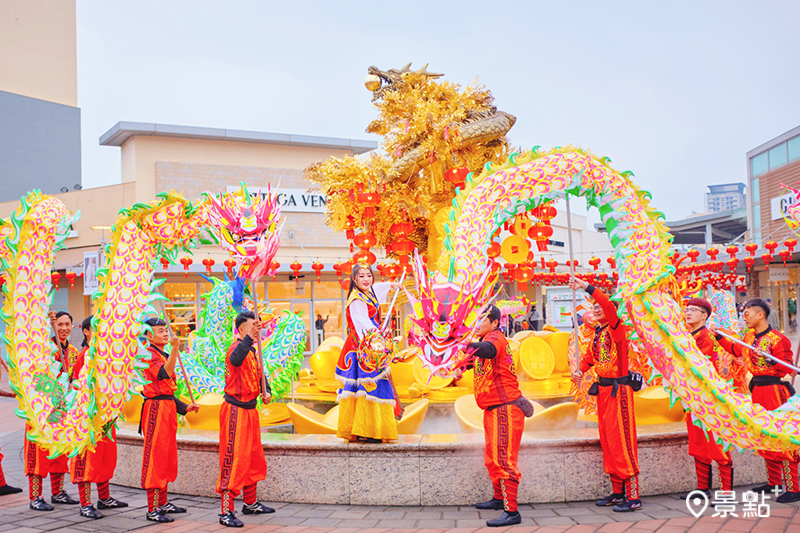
368 403
497 393
615 415
159 425
702 444
241 455
37 464
770 392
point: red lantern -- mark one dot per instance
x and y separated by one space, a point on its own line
732 263
229 264
732 251
771 245
365 240
393 271
2 281
544 212
749 262
541 233
350 227
165 263
790 244
274 266
494 250
612 262
595 262
186 262
317 268
296 268
337 267
208 263
752 247
712 253
403 247
693 255
54 278
767 258
552 264
457 176
365 256
401 229
71 278
785 254
345 283
370 200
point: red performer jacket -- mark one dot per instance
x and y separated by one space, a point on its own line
707 345
609 353
161 384
68 356
770 341
242 378
495 377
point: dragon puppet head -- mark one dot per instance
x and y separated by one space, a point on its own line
248 229
445 315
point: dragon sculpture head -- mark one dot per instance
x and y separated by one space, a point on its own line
446 315
380 82
248 230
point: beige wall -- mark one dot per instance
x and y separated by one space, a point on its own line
38 50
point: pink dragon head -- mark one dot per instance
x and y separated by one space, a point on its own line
248 230
447 314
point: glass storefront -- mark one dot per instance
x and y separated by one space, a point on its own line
780 284
319 304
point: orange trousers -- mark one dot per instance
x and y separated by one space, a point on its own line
502 429
37 463
241 455
703 445
617 425
97 466
160 452
771 397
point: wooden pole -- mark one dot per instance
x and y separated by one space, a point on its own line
254 290
180 360
572 274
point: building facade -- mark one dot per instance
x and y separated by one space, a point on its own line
40 122
725 197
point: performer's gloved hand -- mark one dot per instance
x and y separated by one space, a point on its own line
193 408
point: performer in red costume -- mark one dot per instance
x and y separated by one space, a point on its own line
96 466
504 411
241 455
702 444
37 464
615 415
769 390
159 422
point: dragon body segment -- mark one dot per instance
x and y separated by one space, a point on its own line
647 288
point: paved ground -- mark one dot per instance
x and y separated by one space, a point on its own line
662 514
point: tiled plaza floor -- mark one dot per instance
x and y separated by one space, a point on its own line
662 514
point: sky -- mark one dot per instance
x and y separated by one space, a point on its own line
676 92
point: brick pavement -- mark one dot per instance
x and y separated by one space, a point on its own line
661 514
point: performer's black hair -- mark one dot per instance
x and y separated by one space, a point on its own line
153 322
757 302
243 317
86 324
64 313
494 314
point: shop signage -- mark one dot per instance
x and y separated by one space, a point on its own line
293 200
778 274
781 204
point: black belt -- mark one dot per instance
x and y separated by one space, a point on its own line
521 402
238 403
764 381
632 380
179 406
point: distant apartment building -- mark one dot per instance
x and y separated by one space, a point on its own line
725 197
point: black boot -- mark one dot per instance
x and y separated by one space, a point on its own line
505 519
788 497
8 489
494 505
257 508
229 520
88 511
612 499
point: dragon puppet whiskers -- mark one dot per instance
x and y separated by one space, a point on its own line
446 315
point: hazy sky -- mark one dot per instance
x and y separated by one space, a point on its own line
677 92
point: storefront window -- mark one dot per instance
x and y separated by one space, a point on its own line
180 292
328 319
289 290
327 289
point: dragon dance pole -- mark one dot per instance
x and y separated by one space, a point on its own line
760 352
258 337
180 359
572 275
394 300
